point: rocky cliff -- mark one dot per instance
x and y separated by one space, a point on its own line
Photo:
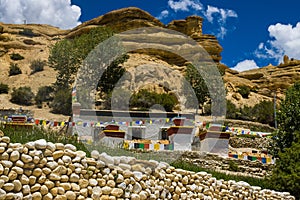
264 83
132 18
34 41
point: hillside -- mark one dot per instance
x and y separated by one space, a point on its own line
34 41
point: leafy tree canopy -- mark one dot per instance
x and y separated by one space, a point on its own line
67 55
288 119
286 175
198 84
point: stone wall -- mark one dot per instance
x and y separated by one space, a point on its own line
256 143
44 170
217 163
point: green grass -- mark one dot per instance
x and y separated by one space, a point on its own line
23 135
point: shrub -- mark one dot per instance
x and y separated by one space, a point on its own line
144 100
264 112
16 56
285 176
233 166
14 69
244 91
44 94
4 88
28 32
22 96
62 102
37 66
288 117
232 111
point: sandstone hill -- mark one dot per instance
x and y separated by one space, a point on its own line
33 42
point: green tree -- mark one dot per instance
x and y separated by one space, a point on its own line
66 56
286 146
286 175
22 96
112 75
197 82
288 120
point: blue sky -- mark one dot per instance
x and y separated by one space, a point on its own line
252 33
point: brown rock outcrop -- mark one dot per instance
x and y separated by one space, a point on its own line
119 20
192 26
131 18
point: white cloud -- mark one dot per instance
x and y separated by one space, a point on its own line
222 13
185 5
245 65
285 40
163 14
58 13
218 17
222 32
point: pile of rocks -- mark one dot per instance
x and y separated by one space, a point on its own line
256 143
243 167
44 170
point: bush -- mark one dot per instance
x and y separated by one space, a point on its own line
232 111
286 146
28 32
14 69
62 102
143 100
16 56
288 117
285 176
44 94
244 91
22 96
233 166
264 112
4 88
37 66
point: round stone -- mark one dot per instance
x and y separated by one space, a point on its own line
117 192
70 195
14 156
